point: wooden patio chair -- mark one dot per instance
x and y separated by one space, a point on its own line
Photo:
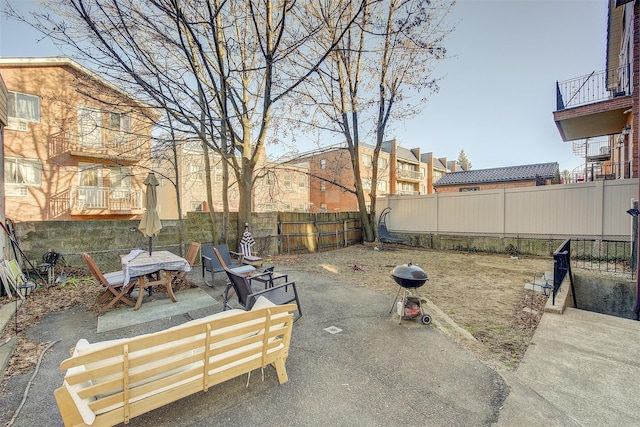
241 285
113 283
180 277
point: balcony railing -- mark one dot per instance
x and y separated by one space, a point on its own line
77 199
408 174
408 193
594 87
112 145
597 171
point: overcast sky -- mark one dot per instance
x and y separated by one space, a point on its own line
497 98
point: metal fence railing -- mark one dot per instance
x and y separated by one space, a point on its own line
608 256
594 87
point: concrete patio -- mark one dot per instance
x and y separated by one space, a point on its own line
352 363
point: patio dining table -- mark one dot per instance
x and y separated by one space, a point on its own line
140 265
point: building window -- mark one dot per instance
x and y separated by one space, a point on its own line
121 122
23 106
465 189
197 206
302 207
382 185
89 127
301 182
323 207
286 207
89 175
422 174
120 178
323 163
196 172
323 186
286 181
21 171
218 174
382 163
271 178
366 184
366 160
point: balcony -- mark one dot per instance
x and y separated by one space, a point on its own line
110 147
407 193
593 105
408 175
96 201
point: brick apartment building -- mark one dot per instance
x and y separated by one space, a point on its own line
75 145
277 187
400 171
598 112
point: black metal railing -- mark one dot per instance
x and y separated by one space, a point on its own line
596 171
562 267
594 87
609 256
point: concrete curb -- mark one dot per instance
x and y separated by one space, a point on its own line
7 347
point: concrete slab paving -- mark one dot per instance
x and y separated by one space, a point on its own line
374 372
582 368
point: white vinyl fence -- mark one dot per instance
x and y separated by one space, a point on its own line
592 209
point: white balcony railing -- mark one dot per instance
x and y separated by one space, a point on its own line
95 198
408 174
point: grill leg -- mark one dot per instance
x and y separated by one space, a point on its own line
395 300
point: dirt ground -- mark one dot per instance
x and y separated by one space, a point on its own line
482 294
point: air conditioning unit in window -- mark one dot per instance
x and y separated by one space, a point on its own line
18 124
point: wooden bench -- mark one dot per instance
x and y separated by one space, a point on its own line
110 382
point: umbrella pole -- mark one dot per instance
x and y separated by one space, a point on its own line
150 245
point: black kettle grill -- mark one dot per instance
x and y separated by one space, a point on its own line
410 277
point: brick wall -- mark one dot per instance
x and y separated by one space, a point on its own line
491 186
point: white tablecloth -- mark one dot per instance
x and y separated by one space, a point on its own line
138 262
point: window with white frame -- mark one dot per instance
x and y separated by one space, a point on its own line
382 163
89 127
323 163
382 185
22 106
286 207
120 177
121 122
366 184
218 174
323 186
22 171
302 181
286 181
89 175
366 160
323 207
120 182
195 172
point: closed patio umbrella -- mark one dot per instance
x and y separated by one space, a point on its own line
150 223
246 242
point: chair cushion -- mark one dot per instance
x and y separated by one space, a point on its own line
114 278
242 269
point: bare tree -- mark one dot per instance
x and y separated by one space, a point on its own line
374 76
218 68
